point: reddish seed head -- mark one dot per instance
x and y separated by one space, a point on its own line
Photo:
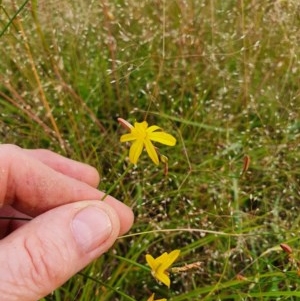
241 277
246 164
125 124
286 248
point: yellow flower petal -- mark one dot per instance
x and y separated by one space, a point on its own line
151 298
153 128
163 138
141 126
135 151
127 137
151 262
151 151
163 257
163 277
168 260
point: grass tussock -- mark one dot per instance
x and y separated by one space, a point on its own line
221 76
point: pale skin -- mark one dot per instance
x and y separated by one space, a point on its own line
70 225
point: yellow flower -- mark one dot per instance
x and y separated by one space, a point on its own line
142 136
160 264
151 298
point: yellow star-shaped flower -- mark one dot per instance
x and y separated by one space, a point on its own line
160 265
151 298
142 137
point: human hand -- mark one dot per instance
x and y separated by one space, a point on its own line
70 226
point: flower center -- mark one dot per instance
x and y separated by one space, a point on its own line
142 135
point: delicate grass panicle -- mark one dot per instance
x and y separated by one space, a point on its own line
222 77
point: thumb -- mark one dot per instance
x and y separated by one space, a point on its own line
41 255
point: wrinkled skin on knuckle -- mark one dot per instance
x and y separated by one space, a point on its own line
44 271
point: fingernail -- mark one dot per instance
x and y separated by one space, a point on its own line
91 227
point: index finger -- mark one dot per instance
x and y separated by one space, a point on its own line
77 170
32 187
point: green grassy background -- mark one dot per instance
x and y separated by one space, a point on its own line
223 78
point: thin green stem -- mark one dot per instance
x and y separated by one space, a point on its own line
117 181
13 17
191 230
107 286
